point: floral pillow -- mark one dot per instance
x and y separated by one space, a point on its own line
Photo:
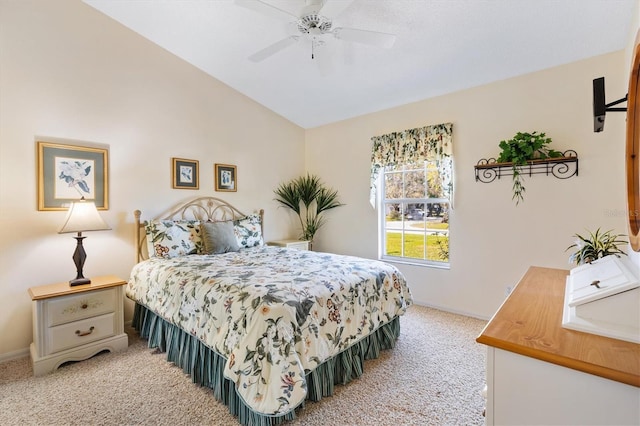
248 231
172 238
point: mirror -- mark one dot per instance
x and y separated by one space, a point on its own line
632 151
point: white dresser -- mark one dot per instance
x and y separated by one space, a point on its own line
540 373
75 323
294 244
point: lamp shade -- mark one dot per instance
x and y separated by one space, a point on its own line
83 216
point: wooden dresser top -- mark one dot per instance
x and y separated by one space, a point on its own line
529 323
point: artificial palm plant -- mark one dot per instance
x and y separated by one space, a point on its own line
309 199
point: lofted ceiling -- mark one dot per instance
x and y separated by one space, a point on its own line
441 46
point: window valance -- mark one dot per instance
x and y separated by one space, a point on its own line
430 143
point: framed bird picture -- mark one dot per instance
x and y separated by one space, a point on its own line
68 173
185 173
225 177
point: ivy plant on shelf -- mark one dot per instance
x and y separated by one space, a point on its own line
309 199
520 149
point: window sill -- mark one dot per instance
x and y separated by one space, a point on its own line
438 265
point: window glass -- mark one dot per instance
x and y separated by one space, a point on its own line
415 215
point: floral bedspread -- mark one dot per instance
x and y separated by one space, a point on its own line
273 313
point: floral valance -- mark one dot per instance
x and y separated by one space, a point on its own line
430 143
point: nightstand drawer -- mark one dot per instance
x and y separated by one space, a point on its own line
80 332
85 305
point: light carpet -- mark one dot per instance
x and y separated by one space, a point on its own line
434 376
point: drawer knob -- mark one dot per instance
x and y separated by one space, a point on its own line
84 306
85 333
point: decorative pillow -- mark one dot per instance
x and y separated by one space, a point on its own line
248 231
172 238
218 237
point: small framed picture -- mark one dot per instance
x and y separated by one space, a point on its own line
185 174
226 178
67 173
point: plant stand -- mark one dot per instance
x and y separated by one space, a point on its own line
487 170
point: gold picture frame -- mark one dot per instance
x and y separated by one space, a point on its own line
226 178
185 174
67 173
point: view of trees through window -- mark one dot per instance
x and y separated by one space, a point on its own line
416 214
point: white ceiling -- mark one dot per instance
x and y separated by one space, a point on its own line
442 46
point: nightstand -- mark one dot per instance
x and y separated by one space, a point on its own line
75 323
294 244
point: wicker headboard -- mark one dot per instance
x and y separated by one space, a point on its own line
209 209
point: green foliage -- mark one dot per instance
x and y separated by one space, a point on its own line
443 248
308 192
595 246
520 149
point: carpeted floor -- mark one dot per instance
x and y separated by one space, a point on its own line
433 376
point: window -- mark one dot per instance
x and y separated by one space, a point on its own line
414 215
412 186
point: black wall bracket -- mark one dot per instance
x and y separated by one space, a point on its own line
600 107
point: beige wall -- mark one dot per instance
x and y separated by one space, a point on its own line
69 72
493 241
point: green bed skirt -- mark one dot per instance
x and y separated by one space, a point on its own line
206 366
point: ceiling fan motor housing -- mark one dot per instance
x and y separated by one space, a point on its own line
314 24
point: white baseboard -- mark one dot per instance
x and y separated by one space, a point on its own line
9 356
453 311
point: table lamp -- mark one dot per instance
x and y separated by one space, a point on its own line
82 216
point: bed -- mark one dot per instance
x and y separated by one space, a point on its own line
264 327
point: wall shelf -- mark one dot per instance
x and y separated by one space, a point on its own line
487 170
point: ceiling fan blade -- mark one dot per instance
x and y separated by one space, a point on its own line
333 8
272 49
267 9
373 38
324 55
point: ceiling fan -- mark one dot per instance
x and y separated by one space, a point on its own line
315 23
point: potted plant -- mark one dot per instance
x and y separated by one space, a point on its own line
520 149
595 246
309 199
